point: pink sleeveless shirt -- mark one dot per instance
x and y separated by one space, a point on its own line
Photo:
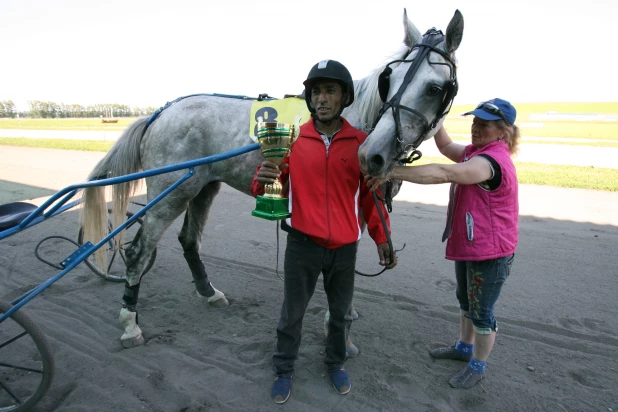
485 223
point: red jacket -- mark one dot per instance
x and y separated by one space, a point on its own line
326 190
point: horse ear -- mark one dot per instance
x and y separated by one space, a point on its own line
454 32
411 35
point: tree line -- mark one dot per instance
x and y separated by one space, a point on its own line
52 110
7 109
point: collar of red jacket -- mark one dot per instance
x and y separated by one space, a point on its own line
347 131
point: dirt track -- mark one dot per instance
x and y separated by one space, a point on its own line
557 348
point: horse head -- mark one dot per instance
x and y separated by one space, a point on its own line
417 91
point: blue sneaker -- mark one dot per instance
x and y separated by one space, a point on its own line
281 389
341 381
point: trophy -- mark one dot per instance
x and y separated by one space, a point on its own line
276 142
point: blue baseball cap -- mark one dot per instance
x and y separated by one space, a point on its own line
495 109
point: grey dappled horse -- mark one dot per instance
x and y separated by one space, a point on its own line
202 126
418 90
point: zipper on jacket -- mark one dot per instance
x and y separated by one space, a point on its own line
470 226
327 208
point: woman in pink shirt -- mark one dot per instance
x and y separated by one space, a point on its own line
481 228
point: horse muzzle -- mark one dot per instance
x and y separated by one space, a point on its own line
376 162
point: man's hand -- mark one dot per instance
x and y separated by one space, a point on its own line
385 258
269 172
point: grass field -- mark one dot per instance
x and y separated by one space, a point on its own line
84 145
528 173
65 124
567 120
579 177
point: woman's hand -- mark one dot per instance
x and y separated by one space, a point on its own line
374 182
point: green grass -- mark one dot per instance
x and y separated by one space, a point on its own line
567 129
590 142
530 126
65 124
561 107
577 143
84 145
528 173
580 177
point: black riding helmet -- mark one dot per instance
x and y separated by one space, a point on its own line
329 70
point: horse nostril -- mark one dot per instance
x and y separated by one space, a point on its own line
376 161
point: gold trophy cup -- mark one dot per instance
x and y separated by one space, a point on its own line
276 142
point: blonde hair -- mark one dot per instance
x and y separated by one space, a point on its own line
512 136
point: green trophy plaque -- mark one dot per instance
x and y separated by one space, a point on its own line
276 141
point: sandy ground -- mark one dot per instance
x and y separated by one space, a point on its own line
557 348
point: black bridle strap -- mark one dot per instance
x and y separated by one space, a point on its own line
430 40
392 252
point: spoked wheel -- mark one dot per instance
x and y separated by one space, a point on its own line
116 257
26 362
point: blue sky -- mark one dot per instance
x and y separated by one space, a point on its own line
148 52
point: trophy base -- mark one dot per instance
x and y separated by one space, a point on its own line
271 208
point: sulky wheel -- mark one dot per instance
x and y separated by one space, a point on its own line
116 258
26 362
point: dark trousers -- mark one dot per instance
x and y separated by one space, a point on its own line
304 261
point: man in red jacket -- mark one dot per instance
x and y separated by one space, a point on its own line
326 189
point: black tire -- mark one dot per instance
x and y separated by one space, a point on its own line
20 353
116 271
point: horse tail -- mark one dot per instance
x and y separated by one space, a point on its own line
122 159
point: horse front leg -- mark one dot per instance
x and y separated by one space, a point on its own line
190 238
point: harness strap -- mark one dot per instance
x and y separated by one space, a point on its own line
153 117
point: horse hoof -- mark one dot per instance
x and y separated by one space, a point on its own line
218 303
132 342
218 300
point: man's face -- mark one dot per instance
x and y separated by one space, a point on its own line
326 97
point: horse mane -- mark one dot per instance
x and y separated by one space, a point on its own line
367 100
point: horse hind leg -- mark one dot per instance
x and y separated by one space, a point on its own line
190 238
138 255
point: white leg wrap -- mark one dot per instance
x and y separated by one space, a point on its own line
218 295
217 300
132 335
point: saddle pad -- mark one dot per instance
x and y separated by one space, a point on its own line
282 111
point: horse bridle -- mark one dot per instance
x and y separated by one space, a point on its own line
408 153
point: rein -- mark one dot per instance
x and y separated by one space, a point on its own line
406 154
392 253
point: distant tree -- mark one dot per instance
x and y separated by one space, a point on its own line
51 110
7 109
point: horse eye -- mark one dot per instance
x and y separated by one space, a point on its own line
434 90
